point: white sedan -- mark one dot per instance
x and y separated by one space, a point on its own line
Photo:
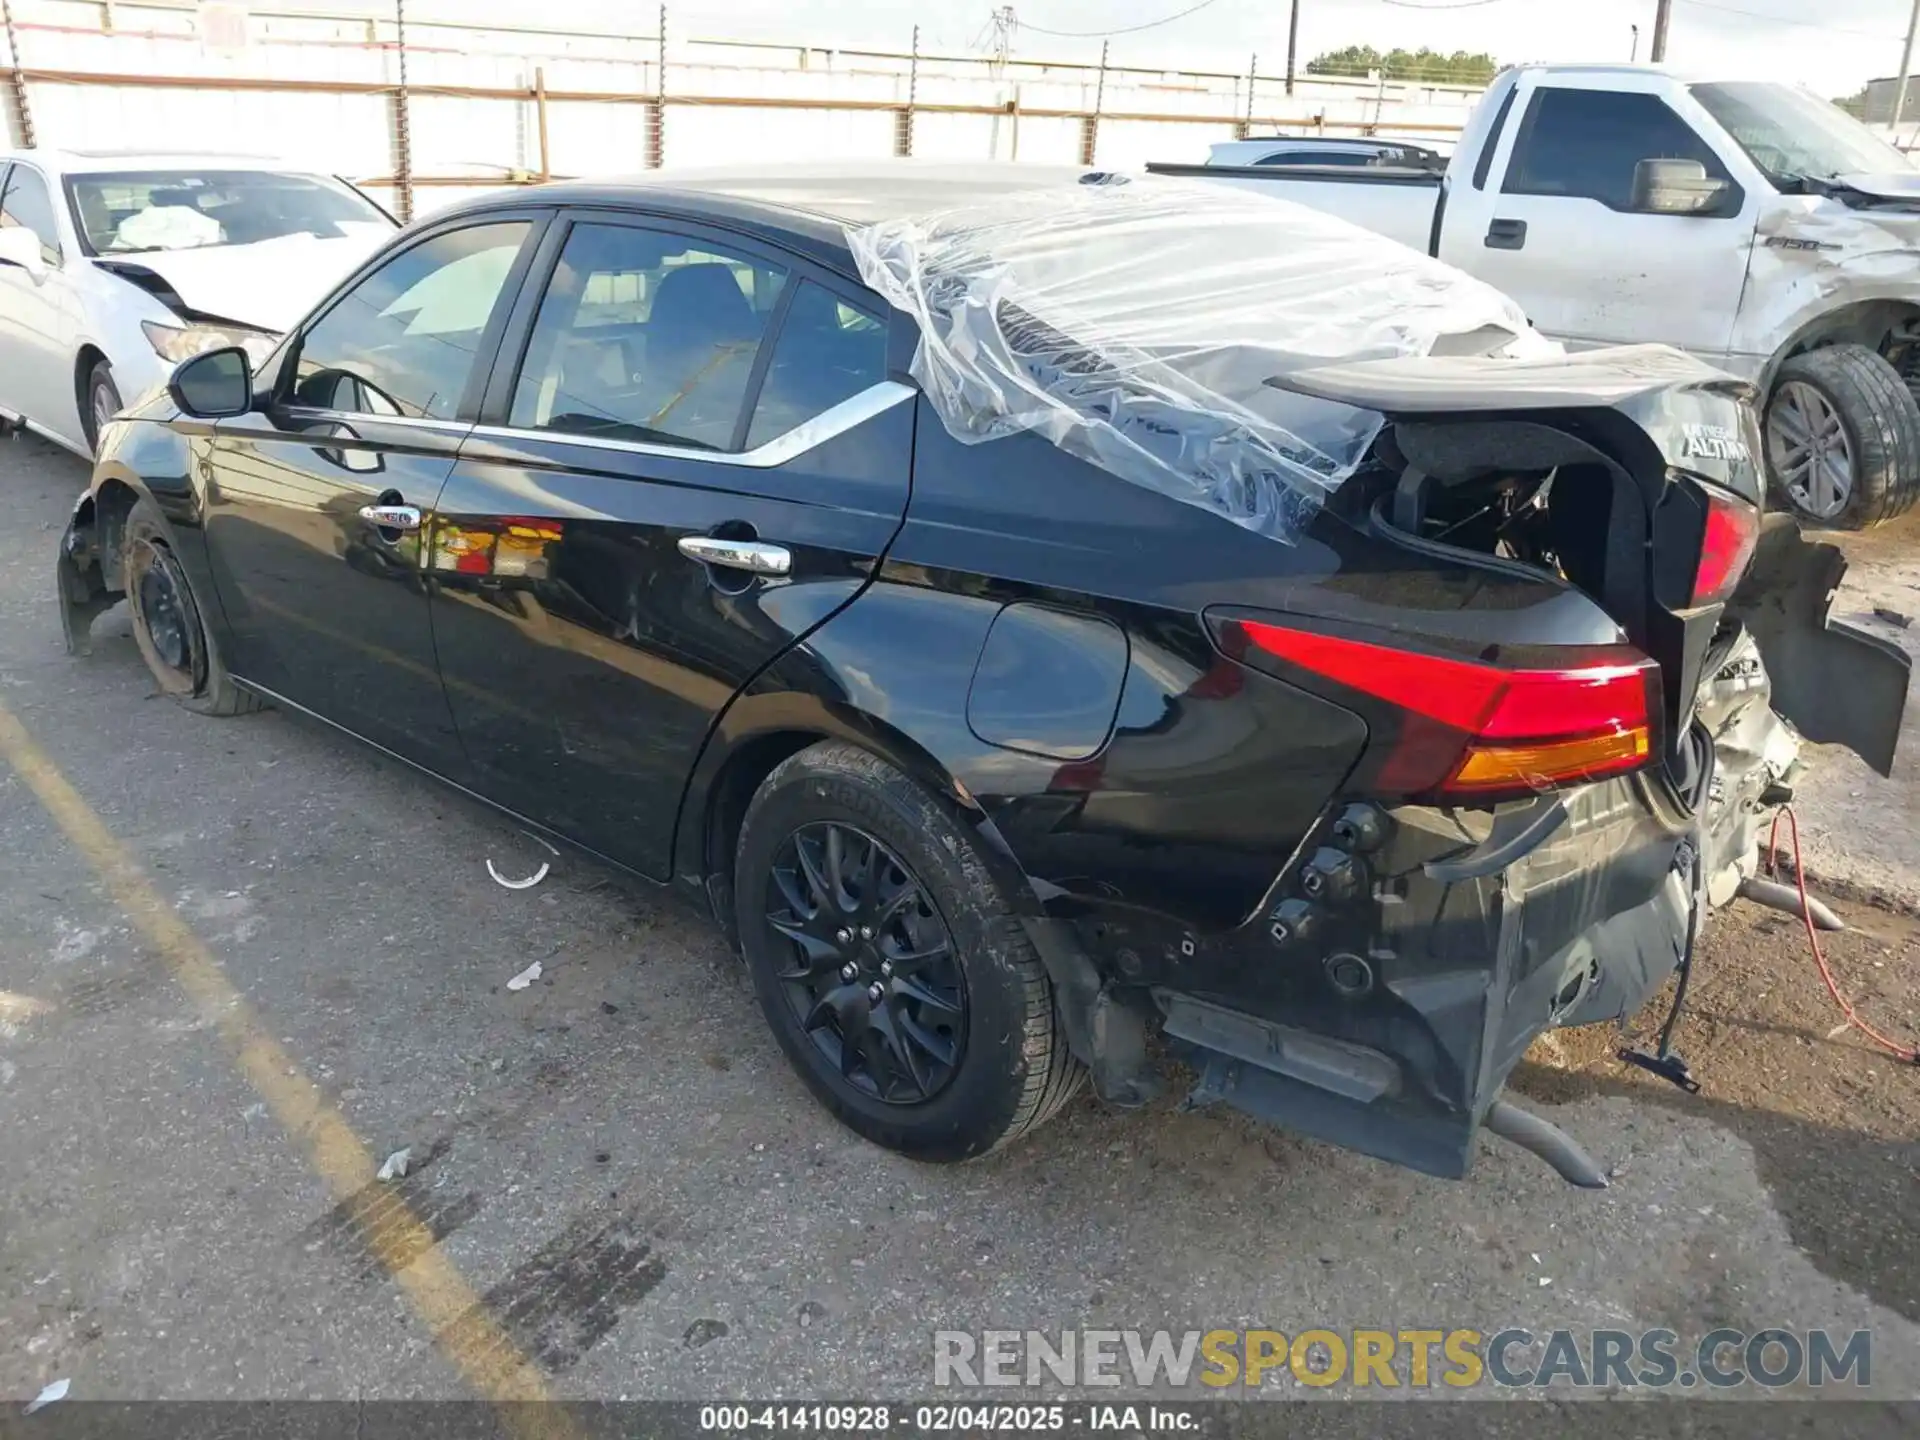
114 268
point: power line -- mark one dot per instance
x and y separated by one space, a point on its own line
1124 30
1783 20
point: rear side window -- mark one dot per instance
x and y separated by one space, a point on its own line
28 205
403 341
1586 143
648 336
828 351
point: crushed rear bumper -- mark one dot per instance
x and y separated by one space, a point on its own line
1389 989
1407 958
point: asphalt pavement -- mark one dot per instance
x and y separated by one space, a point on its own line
245 960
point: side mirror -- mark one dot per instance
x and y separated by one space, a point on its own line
213 385
20 247
1676 187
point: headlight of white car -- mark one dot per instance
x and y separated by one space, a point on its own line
182 342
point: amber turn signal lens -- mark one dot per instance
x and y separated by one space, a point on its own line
1508 767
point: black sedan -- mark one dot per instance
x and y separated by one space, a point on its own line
621 508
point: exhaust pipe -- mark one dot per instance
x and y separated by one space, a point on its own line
1548 1141
1775 896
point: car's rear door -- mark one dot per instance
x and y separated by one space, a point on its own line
326 606
688 457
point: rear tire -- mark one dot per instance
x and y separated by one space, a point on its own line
99 402
946 1060
1843 438
167 627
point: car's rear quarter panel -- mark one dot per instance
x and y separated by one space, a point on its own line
1212 774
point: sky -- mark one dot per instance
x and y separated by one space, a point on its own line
1832 46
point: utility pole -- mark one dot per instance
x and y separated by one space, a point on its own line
1662 13
1634 53
18 66
657 110
1906 64
1293 41
1004 25
402 120
903 119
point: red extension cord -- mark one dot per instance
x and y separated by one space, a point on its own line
1906 1053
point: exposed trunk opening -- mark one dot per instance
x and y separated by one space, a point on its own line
1516 492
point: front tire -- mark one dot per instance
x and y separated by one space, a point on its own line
1843 438
167 627
99 403
894 973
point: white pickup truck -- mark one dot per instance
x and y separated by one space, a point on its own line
1749 223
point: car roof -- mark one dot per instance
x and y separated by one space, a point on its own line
806 206
82 162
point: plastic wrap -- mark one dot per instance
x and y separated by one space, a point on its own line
1136 324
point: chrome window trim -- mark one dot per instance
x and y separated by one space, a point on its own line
362 417
809 434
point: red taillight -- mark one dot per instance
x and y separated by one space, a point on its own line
1733 529
1482 730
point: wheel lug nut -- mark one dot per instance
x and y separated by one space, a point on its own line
866 932
875 993
843 936
847 972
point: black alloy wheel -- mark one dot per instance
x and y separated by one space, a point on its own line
893 968
872 976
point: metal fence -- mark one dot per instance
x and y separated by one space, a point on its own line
426 107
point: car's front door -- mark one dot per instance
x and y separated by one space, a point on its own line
317 501
698 459
39 313
1557 228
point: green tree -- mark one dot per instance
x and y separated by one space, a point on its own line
1459 68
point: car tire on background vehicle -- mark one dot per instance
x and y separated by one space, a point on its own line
845 865
1843 438
99 402
167 627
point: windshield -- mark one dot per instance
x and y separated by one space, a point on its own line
1794 135
125 213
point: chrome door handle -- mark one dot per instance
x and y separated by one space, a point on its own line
750 555
391 517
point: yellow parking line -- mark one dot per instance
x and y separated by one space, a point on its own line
463 1329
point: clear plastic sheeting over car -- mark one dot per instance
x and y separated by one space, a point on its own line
1137 324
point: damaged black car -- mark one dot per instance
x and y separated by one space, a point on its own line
1050 619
